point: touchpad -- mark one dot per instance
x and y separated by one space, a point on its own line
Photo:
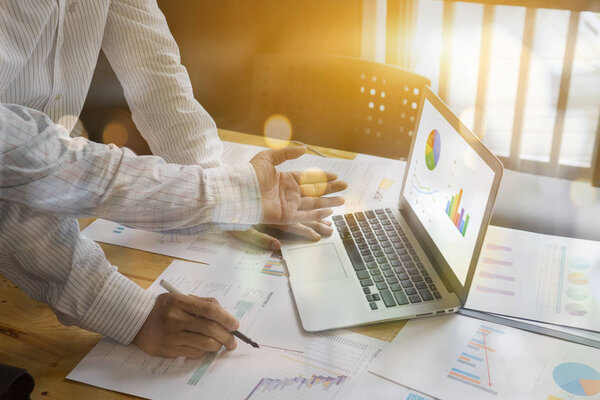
316 263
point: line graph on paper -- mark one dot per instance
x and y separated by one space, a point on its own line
474 365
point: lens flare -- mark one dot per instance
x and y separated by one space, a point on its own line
115 132
278 131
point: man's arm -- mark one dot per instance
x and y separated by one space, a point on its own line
145 58
44 169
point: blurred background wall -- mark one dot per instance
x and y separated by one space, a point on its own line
217 41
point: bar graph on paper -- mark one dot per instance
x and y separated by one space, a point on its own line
496 273
323 371
459 219
474 365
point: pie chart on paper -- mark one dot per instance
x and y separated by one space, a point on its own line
578 379
432 149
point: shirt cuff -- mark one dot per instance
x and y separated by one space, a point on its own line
119 310
235 193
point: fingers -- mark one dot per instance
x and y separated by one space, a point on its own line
308 230
206 335
313 203
313 175
322 188
276 157
207 309
257 238
312 215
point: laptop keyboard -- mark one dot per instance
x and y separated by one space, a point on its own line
386 264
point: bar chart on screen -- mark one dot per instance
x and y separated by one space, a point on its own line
460 219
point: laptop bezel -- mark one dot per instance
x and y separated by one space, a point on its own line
438 261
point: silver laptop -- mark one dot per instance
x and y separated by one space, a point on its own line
410 259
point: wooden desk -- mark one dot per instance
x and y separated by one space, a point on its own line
33 339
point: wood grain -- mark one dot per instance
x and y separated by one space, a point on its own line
32 338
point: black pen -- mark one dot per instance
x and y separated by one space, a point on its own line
238 334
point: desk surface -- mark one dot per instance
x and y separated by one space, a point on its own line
33 339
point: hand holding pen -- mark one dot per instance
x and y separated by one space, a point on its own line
186 326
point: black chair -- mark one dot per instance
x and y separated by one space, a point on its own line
339 102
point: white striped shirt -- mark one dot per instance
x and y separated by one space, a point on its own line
48 51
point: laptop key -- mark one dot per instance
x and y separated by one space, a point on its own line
367 290
365 252
369 258
414 298
385 266
437 295
372 265
389 250
372 241
370 214
381 286
395 263
400 270
350 219
405 257
391 279
378 253
432 287
388 228
386 244
400 298
375 247
421 285
379 211
366 282
370 297
412 271
417 278
412 252
381 259
362 274
337 218
406 284
409 264
375 271
388 272
376 296
373 305
411 291
361 240
425 295
393 256
395 239
360 216
403 277
345 235
388 298
363 246
428 280
378 278
354 255
396 287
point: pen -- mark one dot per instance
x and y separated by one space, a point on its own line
237 334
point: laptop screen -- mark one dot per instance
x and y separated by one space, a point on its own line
448 186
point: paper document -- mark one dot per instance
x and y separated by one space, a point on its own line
324 365
234 153
371 386
455 357
538 277
371 183
207 248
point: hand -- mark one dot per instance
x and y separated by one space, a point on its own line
309 230
291 197
187 326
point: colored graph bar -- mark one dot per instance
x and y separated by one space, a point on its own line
241 308
472 357
488 260
459 219
489 275
489 328
486 289
492 246
202 368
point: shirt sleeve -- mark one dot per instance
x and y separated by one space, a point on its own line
52 262
45 169
145 57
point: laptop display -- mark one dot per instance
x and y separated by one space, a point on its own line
447 187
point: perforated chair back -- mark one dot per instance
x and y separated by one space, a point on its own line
339 102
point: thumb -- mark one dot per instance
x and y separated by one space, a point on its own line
277 157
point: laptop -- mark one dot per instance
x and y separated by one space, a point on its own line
414 258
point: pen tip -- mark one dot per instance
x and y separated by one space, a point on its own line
255 345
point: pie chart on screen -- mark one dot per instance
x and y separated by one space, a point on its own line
432 149
578 379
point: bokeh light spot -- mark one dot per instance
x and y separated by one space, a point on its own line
116 133
277 131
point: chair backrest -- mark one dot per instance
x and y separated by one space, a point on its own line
339 102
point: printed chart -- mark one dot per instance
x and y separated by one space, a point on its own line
473 365
578 379
539 277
